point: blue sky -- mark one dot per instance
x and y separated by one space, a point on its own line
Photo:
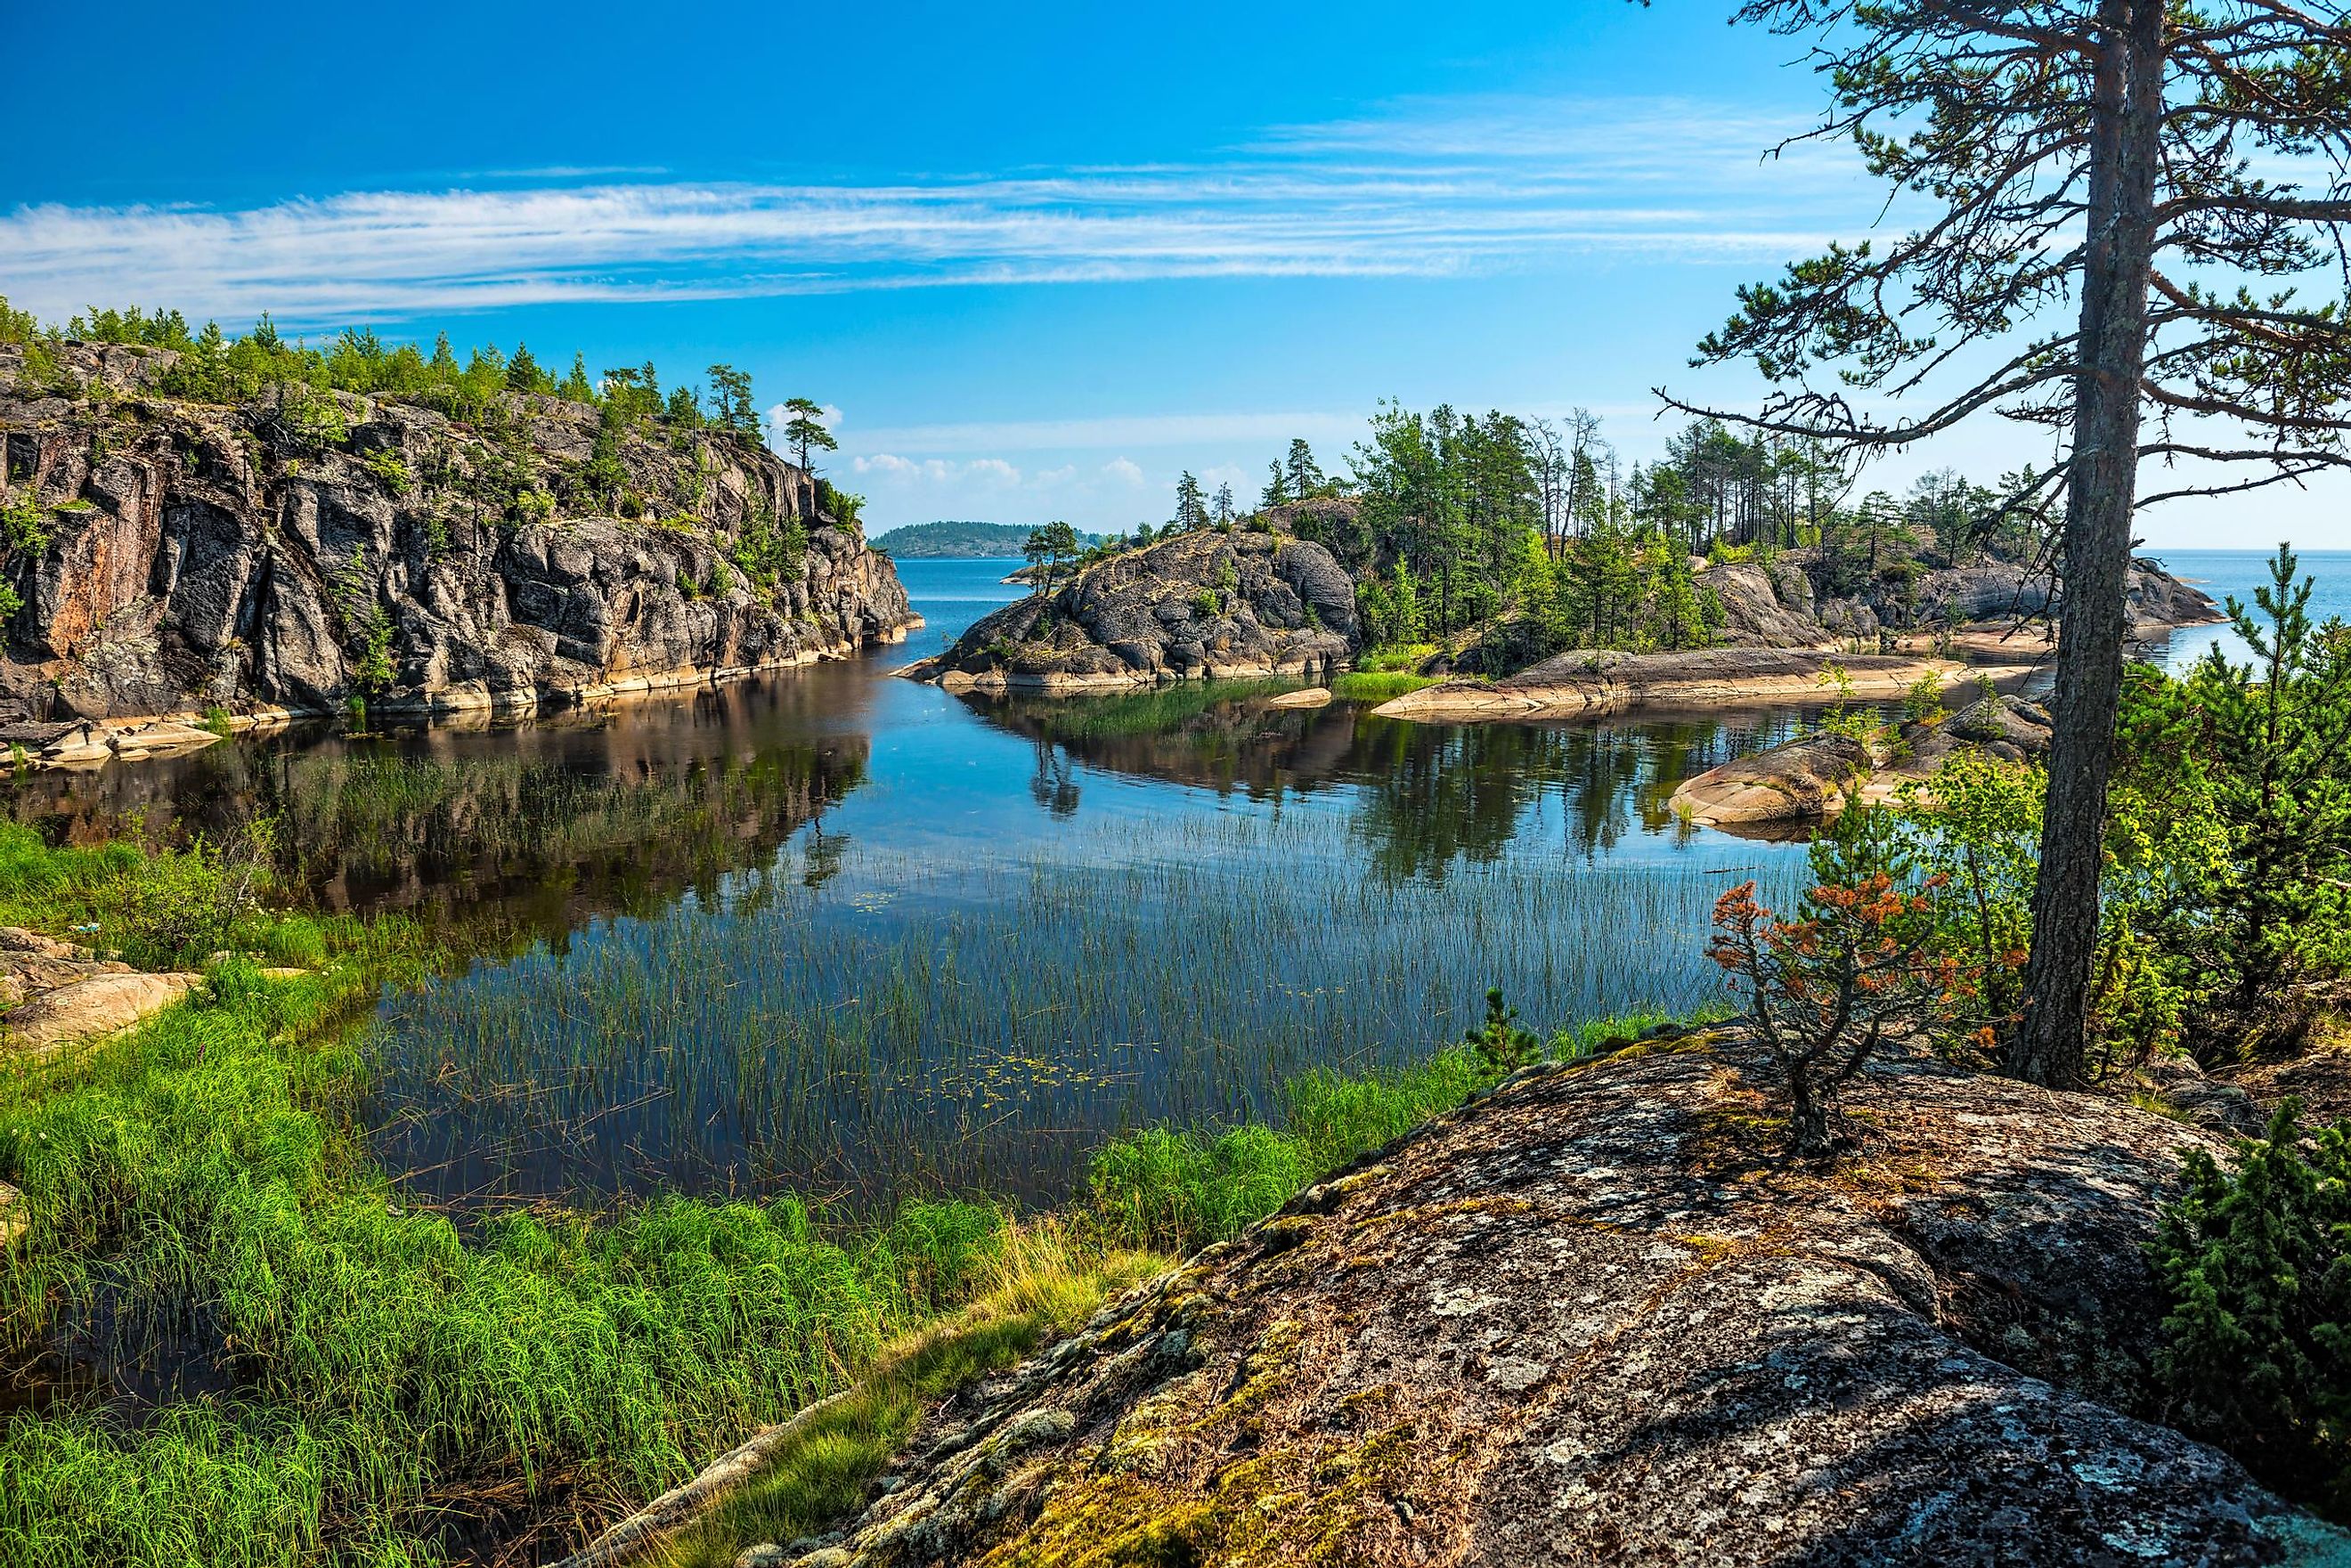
1036 259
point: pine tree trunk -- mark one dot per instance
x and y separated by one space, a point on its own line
2127 127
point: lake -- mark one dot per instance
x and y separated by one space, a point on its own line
837 933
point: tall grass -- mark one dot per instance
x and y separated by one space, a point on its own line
295 1362
1378 686
319 1371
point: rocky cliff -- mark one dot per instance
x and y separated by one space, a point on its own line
1210 604
1593 1320
1793 601
310 547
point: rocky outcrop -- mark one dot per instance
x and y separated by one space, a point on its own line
1804 779
1595 1321
54 993
290 554
1791 602
1212 604
1815 777
1597 684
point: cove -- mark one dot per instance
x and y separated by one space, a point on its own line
838 934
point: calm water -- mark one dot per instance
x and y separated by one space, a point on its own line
2221 573
841 933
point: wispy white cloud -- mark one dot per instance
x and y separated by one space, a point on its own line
1423 189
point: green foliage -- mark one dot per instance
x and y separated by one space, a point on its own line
2269 911
164 909
1378 686
602 477
23 527
732 407
1923 699
1857 966
804 431
391 470
366 622
839 504
17 326
309 417
1045 549
1173 1191
770 553
2256 1267
1969 838
1501 1044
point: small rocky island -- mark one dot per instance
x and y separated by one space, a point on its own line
186 561
1210 604
1783 628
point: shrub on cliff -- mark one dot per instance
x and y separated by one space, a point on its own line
2256 1263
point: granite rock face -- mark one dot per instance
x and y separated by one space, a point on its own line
1789 603
1592 1321
1199 605
244 558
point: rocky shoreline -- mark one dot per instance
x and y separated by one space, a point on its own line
1584 1321
189 569
1781 644
1599 684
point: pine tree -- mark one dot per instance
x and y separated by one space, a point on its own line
523 374
805 431
1277 488
576 386
1300 473
1191 510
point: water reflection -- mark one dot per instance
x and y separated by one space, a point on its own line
839 932
1428 795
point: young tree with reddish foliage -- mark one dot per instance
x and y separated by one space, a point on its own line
1825 992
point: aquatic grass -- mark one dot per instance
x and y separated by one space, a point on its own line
1378 686
913 1024
1157 710
309 1367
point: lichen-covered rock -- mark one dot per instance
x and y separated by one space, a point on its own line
1810 777
1200 605
1591 1322
200 557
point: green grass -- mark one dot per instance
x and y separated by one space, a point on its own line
1045 1286
159 910
198 1202
344 1377
1154 711
1395 657
1378 686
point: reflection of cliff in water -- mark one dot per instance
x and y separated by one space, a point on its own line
535 828
1431 795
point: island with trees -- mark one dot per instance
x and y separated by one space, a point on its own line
960 541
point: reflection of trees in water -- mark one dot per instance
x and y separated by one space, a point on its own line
1431 794
524 833
1054 785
